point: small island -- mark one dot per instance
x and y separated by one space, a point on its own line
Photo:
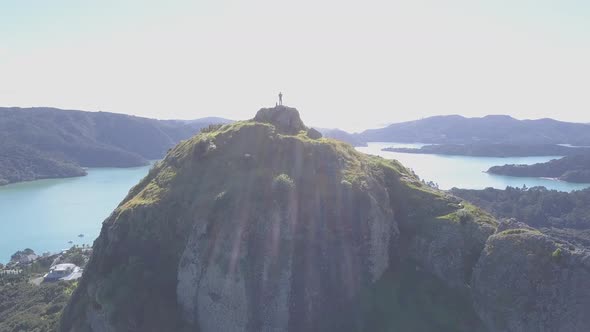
499 150
574 168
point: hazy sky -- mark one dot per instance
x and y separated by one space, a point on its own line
348 64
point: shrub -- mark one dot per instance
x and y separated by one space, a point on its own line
282 184
514 231
464 216
211 128
283 180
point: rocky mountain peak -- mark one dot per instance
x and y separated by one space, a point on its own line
285 119
260 226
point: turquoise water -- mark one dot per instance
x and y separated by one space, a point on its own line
467 172
44 215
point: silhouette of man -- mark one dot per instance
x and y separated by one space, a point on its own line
281 98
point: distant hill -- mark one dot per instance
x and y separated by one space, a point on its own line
343 136
46 142
571 169
494 150
456 129
207 121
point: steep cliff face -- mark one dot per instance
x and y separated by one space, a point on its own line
263 226
526 281
449 246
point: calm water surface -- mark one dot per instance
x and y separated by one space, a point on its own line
44 215
466 172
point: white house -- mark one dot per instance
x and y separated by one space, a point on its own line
63 272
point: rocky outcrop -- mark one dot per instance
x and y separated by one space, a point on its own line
313 133
256 226
526 281
449 246
285 119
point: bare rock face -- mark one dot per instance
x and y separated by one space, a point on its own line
285 119
449 247
289 254
526 281
285 268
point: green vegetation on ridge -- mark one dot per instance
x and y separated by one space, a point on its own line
25 307
559 214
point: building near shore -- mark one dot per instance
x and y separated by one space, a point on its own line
63 272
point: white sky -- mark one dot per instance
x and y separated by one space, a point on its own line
347 64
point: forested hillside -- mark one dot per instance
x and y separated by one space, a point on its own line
561 214
574 168
40 143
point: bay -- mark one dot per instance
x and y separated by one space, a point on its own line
466 172
45 215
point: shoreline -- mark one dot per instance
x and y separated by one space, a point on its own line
86 170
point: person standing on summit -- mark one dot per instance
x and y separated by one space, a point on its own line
280 99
